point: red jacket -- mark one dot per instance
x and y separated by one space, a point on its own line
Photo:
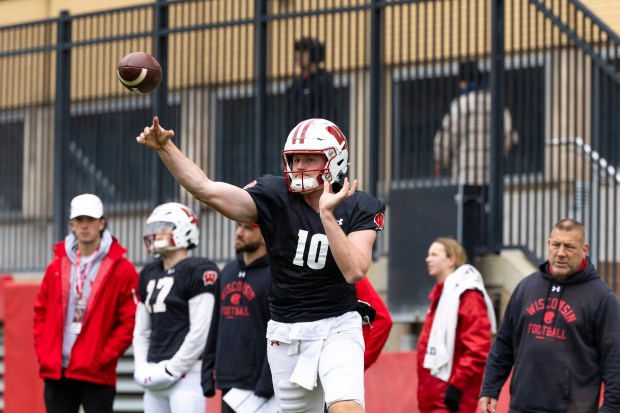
472 345
108 323
375 335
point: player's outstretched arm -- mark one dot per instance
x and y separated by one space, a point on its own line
229 200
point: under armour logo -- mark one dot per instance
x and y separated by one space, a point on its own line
171 270
555 289
241 274
275 343
339 221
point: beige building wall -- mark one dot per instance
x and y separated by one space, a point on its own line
437 40
606 10
23 11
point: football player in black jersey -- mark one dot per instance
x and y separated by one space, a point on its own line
174 313
320 244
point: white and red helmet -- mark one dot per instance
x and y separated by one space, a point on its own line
316 136
171 226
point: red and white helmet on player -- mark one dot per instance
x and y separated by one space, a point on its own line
170 227
315 136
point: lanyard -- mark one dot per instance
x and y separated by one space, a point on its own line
82 275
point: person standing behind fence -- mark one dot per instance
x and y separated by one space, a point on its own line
236 351
463 143
84 314
456 335
174 313
311 95
559 336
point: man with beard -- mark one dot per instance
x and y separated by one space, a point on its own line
236 351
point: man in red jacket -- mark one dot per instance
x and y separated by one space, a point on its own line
84 314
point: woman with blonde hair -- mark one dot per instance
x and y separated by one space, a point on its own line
456 335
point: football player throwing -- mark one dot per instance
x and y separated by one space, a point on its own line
319 237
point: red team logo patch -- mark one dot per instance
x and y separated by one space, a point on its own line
549 316
235 299
209 277
379 220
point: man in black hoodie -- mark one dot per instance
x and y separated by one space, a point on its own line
561 333
236 348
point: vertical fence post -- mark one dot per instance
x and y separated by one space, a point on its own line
62 123
374 105
159 103
260 85
496 184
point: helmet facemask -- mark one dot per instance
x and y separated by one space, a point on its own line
171 227
159 237
306 180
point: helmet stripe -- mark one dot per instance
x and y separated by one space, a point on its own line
337 133
303 128
193 218
295 132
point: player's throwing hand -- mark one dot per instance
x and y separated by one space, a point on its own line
330 200
155 137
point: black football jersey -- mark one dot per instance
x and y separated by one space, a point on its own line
166 293
307 284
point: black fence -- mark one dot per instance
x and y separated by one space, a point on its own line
429 93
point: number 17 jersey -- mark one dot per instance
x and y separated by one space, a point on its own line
166 295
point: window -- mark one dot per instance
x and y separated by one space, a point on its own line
605 119
525 98
103 157
11 165
419 105
421 99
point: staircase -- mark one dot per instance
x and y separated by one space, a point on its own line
128 393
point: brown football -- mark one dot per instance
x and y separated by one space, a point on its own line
139 72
